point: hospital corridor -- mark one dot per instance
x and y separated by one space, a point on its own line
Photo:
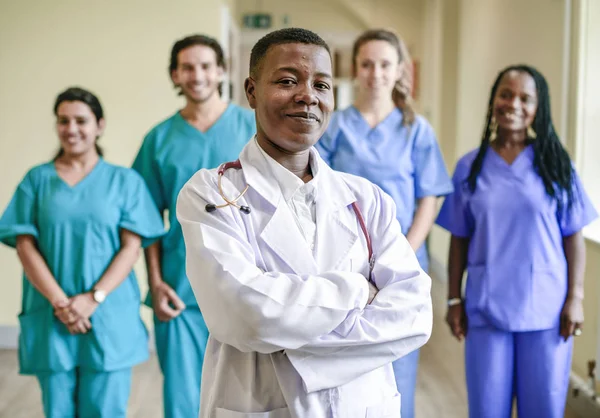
299 209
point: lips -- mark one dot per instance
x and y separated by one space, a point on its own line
304 116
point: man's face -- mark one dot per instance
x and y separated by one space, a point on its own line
197 73
292 95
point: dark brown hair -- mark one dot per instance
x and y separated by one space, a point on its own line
77 94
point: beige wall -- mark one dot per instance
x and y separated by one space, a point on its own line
118 49
349 16
479 39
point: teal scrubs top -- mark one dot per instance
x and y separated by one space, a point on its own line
172 152
77 230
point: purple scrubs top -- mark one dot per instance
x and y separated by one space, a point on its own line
517 270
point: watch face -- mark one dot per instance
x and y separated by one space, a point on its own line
99 296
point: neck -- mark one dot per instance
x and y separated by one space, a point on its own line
296 162
511 140
209 109
375 109
80 162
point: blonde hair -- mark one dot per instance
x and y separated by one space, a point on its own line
401 95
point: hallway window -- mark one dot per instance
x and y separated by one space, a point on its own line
588 106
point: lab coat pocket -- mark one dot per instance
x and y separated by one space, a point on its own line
390 408
276 413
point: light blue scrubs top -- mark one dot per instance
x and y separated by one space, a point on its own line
170 155
517 270
77 230
404 161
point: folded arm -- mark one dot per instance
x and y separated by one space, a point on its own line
397 322
244 307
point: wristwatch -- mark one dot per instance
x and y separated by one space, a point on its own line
454 301
98 295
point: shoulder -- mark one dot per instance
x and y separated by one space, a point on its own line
422 130
37 173
242 115
158 131
463 166
126 176
339 118
366 192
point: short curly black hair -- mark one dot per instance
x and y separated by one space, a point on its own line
280 37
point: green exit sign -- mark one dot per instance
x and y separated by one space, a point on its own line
257 21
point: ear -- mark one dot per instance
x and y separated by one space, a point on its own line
101 126
220 73
174 77
250 88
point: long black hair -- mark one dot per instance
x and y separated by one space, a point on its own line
77 94
551 161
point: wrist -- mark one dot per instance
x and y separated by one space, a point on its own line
575 296
154 282
59 301
98 295
454 301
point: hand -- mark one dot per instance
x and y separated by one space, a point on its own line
83 305
80 326
165 302
571 317
74 323
457 321
62 310
372 292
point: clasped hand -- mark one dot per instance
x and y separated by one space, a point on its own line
75 312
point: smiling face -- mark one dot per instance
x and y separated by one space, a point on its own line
77 128
197 73
515 102
377 68
292 95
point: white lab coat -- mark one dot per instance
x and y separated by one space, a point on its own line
291 334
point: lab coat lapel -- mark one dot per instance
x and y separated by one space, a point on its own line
336 220
281 233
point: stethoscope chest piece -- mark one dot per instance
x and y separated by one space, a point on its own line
211 207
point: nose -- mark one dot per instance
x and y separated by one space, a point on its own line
377 71
306 94
72 127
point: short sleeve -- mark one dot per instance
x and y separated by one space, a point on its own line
139 214
581 212
455 215
19 218
431 176
145 164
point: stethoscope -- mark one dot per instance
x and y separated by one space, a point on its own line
211 207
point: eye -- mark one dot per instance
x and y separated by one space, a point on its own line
287 82
505 94
527 99
323 86
81 121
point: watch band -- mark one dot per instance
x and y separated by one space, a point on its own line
454 301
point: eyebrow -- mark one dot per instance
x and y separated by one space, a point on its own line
295 71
